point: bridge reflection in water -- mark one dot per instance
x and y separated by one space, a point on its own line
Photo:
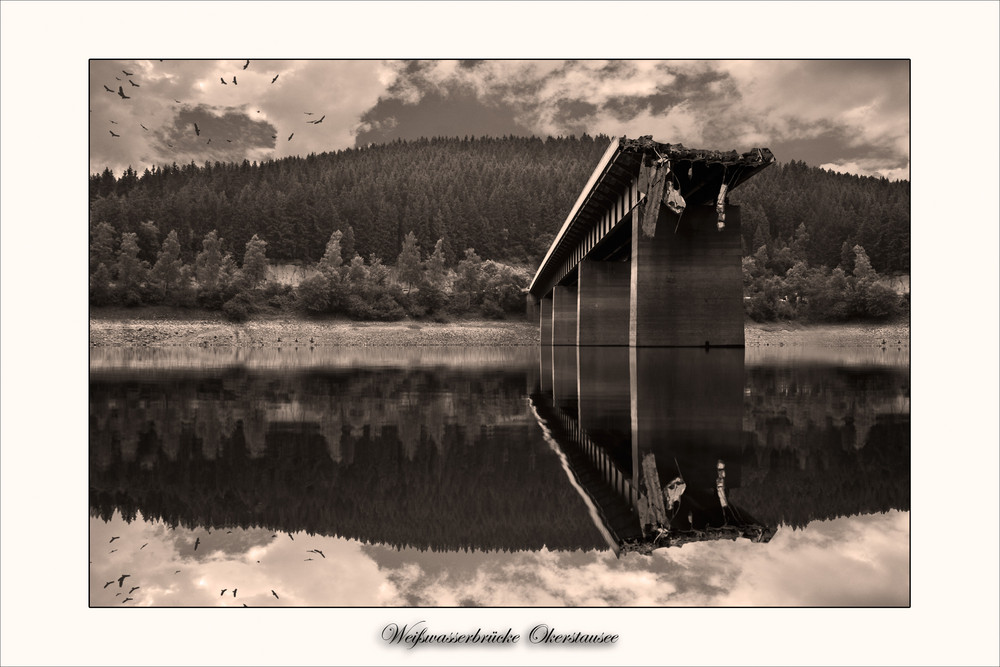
652 440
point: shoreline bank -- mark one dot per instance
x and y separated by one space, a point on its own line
160 329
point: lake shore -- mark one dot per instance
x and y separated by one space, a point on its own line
168 327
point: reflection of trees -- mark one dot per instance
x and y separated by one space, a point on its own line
824 442
431 459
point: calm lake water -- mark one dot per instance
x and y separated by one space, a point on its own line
499 477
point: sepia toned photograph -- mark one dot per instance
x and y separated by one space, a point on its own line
499 333
548 333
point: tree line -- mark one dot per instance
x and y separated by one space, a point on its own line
804 231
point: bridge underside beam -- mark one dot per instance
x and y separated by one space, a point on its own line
686 287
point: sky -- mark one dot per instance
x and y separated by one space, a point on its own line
843 115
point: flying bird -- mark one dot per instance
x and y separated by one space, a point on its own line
147 129
234 592
126 600
108 89
197 540
208 142
118 78
275 594
178 101
197 132
113 538
133 83
228 531
274 136
223 81
147 543
244 604
177 571
223 592
308 113
275 78
113 134
229 141
121 579
317 122
127 73
246 65
109 583
117 594
289 139
113 550
121 94
317 551
170 145
133 589
116 537
308 559
234 81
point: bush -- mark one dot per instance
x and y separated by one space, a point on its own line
239 308
313 294
492 309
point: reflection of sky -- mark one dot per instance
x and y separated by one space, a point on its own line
852 561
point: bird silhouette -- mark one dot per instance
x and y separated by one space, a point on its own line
317 122
116 537
127 73
246 65
118 78
289 534
133 83
197 132
234 81
121 579
177 571
117 594
197 540
275 78
308 113
133 590
244 604
113 550
289 139
223 81
126 600
114 122
178 101
147 543
319 552
275 594
223 592
308 559
229 141
274 136
108 89
109 583
170 145
208 142
121 94
234 592
147 129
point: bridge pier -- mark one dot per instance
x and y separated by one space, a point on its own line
603 294
545 319
564 303
687 285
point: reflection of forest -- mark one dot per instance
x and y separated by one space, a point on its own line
435 459
822 442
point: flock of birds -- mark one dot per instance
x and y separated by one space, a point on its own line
197 543
197 131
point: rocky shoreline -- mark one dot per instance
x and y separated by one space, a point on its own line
210 329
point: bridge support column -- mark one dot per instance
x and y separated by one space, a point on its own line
687 285
603 291
564 315
532 310
545 320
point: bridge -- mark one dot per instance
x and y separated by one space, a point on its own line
649 255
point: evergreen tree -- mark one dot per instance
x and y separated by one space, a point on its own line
333 256
208 263
408 263
131 270
348 243
102 245
166 275
254 263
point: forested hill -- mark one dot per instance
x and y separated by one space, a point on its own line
505 197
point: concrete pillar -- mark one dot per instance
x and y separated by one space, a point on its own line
545 368
564 379
687 285
564 315
687 410
532 310
603 292
604 390
545 321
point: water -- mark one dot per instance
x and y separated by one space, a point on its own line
499 477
